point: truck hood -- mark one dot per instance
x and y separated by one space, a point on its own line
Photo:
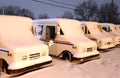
81 40
101 36
22 44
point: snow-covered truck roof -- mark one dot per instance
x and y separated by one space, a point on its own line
15 31
67 25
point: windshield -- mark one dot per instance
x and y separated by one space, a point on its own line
100 28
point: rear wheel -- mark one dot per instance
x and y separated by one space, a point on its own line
67 56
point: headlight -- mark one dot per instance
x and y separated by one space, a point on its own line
74 47
24 57
43 54
9 54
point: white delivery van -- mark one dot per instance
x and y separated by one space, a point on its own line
19 49
66 37
109 27
93 31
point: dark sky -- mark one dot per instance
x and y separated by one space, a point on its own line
52 11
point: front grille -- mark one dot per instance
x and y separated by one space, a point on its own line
34 56
89 49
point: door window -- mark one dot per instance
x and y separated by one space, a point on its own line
50 32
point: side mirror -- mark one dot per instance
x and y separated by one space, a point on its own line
50 43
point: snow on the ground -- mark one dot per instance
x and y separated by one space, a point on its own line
108 66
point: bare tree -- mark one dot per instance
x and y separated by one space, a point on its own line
10 10
105 15
43 16
15 10
26 13
86 11
68 14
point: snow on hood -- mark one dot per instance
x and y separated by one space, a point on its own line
71 27
77 40
96 31
93 27
15 31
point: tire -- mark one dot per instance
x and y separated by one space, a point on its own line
4 67
67 56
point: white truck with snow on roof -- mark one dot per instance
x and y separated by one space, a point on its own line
19 49
66 38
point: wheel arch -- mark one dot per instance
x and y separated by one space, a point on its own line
3 62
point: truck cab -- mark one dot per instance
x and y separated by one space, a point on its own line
66 38
111 28
93 31
19 49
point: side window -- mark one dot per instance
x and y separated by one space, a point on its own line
109 30
61 32
40 29
105 28
100 28
86 30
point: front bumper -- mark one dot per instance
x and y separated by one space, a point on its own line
106 46
30 68
86 55
16 65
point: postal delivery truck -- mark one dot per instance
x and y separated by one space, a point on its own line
109 27
20 51
66 38
93 31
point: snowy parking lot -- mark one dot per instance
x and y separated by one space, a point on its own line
108 66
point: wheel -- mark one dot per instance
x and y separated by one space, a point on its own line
4 67
67 56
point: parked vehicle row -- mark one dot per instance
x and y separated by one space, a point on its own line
74 39
26 43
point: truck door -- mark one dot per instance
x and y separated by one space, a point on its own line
50 32
50 35
47 33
